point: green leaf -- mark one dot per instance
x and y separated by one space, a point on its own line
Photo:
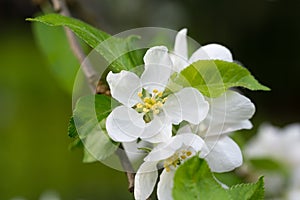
72 132
88 123
119 52
53 43
250 191
267 164
98 146
76 143
229 178
193 180
213 77
88 157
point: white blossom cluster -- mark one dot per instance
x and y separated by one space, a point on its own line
149 111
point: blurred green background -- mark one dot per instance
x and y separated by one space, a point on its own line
35 107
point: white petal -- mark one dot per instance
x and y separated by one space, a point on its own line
124 87
184 129
211 52
163 135
180 55
191 140
187 104
180 47
145 180
158 68
165 150
158 130
165 185
229 112
124 124
134 153
224 154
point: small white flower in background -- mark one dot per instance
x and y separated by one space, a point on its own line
168 155
283 146
49 195
229 112
208 52
147 111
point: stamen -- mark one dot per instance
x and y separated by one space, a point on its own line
188 153
151 103
156 111
176 159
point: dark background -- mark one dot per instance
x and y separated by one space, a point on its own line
34 109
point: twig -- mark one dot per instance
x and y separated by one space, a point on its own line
90 73
127 167
88 70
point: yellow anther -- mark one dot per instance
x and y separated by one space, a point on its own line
183 157
167 169
188 153
146 100
165 99
139 105
148 105
153 101
145 110
156 111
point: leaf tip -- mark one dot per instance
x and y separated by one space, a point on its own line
30 19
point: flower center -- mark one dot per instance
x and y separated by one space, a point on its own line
176 159
151 104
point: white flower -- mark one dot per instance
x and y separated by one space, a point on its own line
148 112
170 155
208 52
283 146
228 113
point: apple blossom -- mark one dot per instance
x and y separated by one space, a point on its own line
147 111
169 155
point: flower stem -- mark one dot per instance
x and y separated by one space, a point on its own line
60 6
